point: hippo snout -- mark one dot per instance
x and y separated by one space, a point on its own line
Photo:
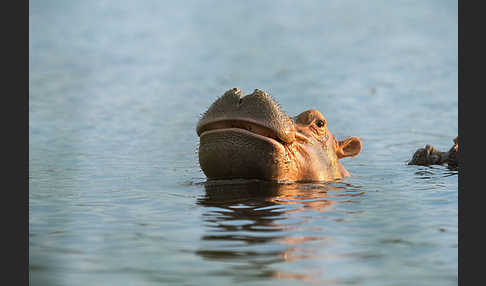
257 112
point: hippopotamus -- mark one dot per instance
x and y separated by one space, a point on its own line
429 155
250 137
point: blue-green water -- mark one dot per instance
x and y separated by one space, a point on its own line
116 195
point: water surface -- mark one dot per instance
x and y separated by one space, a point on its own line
116 195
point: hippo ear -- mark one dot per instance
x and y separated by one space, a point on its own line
348 147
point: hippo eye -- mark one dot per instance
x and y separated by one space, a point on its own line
320 123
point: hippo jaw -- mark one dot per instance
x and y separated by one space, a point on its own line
238 153
251 137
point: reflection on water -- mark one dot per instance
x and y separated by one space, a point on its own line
241 217
428 172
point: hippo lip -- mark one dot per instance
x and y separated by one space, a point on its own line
250 126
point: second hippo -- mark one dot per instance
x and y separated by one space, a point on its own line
429 155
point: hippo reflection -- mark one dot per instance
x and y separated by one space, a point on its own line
251 137
250 218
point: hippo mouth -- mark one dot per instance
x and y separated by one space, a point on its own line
240 149
244 126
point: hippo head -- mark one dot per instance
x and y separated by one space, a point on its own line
251 137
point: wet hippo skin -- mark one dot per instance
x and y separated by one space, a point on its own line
251 137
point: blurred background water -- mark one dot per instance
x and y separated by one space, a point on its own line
116 195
